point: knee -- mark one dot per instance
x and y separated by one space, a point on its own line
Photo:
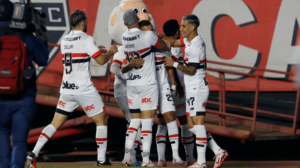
169 117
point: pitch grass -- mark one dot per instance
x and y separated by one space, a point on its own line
123 167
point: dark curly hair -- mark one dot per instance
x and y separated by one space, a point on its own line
76 17
171 27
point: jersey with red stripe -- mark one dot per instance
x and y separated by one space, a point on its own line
195 55
120 83
77 48
178 56
162 75
138 43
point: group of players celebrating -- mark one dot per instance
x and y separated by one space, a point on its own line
149 70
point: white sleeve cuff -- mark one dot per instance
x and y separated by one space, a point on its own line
175 64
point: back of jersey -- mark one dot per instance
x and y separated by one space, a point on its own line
77 48
138 43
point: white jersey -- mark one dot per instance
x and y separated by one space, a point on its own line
162 75
77 48
138 43
178 56
195 55
120 83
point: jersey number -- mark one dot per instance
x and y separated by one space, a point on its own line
68 63
169 97
190 101
136 55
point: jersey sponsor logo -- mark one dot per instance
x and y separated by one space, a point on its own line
89 108
131 38
67 85
146 100
68 46
144 134
61 103
129 46
129 102
203 104
72 38
133 77
178 106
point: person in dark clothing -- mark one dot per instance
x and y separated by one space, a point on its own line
17 111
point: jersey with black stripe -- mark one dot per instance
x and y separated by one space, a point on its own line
195 55
162 75
178 56
120 83
138 43
77 48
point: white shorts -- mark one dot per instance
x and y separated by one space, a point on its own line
196 98
180 105
91 103
166 103
141 98
123 104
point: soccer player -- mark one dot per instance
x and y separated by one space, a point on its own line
142 89
77 49
120 94
166 111
196 85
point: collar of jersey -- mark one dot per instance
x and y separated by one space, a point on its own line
76 32
134 29
195 39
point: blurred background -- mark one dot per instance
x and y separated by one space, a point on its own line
252 55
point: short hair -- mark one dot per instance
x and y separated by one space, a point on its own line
144 23
76 17
130 17
193 19
171 27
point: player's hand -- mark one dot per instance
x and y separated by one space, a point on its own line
113 49
160 35
179 90
168 62
101 47
136 62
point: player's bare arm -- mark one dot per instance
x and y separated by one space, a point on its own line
190 70
104 58
173 42
135 62
179 87
162 46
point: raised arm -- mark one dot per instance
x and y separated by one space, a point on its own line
173 42
101 59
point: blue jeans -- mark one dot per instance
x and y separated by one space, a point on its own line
15 119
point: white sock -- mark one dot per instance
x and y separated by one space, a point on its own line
187 139
161 141
136 144
193 130
173 137
101 139
130 137
201 142
147 138
46 134
211 143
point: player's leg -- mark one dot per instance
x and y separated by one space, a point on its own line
135 122
94 108
187 137
195 107
168 110
5 132
160 139
149 102
65 107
